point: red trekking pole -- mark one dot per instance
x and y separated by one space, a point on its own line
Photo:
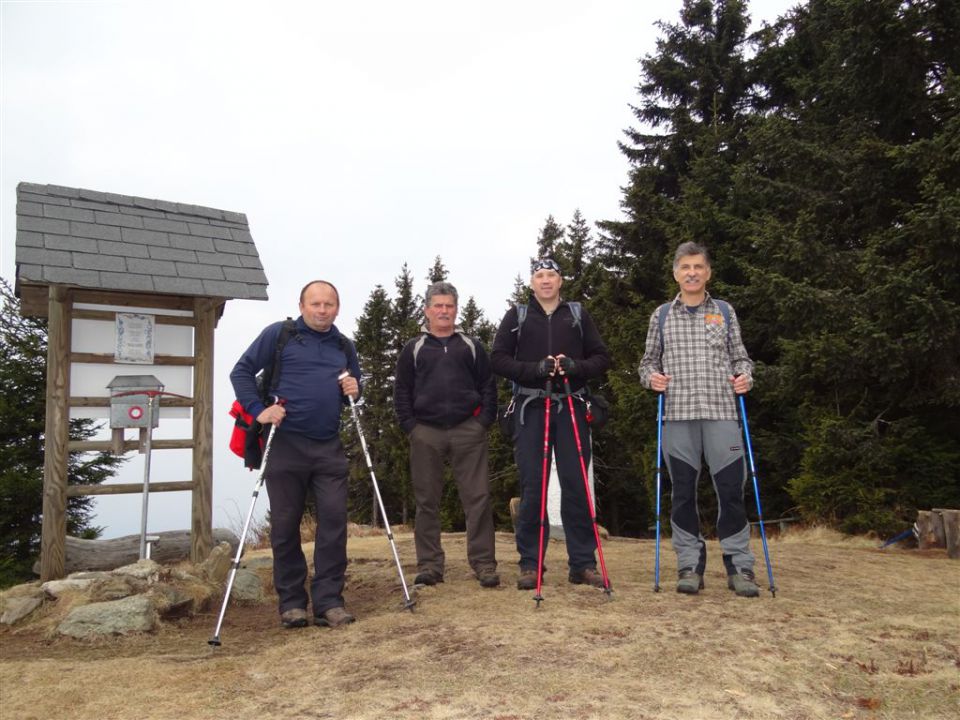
548 389
586 484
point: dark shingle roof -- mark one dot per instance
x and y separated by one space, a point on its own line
90 239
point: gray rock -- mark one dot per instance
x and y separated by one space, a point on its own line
55 588
142 569
18 602
116 587
172 602
119 617
217 566
247 586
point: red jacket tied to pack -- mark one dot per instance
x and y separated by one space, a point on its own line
242 422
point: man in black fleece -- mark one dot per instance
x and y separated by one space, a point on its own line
550 342
445 400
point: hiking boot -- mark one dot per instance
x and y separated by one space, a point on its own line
527 580
689 582
488 578
334 617
428 577
743 583
587 576
294 618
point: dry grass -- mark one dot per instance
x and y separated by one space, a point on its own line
854 632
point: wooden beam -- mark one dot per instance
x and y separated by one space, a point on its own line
53 532
111 316
127 488
128 446
91 401
110 359
94 296
205 313
33 299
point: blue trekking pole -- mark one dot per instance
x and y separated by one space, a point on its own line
656 567
756 494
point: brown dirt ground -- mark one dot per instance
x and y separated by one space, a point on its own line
853 632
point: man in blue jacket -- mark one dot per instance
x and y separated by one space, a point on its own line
306 455
445 400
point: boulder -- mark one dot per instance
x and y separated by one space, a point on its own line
116 587
56 588
19 601
247 587
118 617
217 565
148 570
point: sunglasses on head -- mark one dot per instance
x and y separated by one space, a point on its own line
545 264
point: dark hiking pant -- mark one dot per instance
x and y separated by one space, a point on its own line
298 465
574 512
465 447
721 444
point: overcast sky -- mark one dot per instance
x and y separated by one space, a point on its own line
355 137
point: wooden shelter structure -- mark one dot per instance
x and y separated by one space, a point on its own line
88 257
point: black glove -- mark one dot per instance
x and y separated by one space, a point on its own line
546 367
567 365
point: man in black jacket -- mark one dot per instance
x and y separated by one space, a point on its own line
445 400
535 347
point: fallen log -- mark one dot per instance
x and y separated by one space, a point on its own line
172 546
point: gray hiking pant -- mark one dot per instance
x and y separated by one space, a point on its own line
720 443
465 446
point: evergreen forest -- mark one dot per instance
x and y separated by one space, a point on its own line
818 159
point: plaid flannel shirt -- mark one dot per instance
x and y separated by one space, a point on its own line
700 355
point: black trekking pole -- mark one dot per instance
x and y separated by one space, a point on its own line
408 601
215 640
656 565
548 391
756 494
586 484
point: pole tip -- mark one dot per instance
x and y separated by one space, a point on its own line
215 641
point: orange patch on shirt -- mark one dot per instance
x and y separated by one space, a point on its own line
713 319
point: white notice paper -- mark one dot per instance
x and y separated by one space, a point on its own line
135 338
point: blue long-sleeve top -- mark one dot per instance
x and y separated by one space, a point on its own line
310 364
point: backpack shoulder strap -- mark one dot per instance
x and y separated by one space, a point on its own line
272 374
725 311
416 347
662 312
470 344
576 309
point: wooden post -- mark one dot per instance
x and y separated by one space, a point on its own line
929 530
53 534
204 311
951 531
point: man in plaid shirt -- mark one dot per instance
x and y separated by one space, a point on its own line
700 365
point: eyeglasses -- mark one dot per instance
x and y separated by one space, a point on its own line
545 264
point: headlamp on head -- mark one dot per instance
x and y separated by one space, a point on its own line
545 264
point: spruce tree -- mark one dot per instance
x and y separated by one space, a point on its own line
375 349
23 350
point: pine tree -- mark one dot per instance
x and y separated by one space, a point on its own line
550 234
473 322
437 273
23 349
375 349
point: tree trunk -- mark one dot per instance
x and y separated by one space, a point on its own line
173 546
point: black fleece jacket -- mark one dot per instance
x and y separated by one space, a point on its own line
544 335
447 385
